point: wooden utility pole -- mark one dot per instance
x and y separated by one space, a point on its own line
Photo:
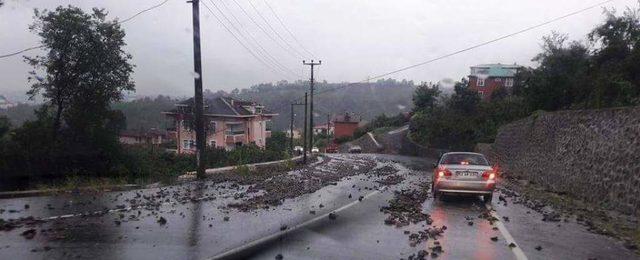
291 133
304 151
311 83
328 132
198 100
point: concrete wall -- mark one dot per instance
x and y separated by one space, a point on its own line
593 155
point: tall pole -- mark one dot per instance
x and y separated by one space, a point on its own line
311 83
328 133
291 133
197 67
304 151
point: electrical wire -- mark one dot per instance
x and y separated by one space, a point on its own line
300 55
255 42
123 21
284 48
240 42
287 29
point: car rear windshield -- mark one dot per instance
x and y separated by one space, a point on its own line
464 159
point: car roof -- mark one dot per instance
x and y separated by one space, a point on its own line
462 153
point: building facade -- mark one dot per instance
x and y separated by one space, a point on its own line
229 123
345 126
486 78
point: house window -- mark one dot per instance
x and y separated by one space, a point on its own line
185 144
212 127
481 94
212 143
192 143
508 82
480 82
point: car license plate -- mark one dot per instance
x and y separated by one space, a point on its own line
466 174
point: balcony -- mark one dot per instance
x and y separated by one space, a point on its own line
235 138
234 132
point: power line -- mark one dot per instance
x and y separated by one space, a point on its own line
272 29
287 29
471 47
255 42
239 41
265 31
492 41
123 21
144 11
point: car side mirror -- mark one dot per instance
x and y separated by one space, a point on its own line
434 165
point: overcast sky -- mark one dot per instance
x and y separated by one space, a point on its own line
354 39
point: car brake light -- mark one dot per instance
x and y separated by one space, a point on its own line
489 175
443 173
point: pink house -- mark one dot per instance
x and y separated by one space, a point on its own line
229 123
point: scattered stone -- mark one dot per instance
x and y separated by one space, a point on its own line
333 216
494 239
506 219
283 227
29 234
512 245
320 206
279 257
26 206
349 195
162 221
226 218
312 212
360 198
538 248
470 223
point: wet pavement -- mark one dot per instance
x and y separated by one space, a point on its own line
195 220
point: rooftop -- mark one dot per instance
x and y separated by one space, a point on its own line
495 70
225 106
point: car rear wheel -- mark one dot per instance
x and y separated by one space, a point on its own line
434 191
488 198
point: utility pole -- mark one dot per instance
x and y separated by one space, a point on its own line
328 132
304 151
197 67
311 83
291 134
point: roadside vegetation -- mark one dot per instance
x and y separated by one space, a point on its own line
599 73
72 139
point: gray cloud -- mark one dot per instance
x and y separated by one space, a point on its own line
354 39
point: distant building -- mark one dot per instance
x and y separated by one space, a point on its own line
322 129
152 136
229 123
296 134
5 103
345 125
486 78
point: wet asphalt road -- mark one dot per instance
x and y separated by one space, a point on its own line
106 227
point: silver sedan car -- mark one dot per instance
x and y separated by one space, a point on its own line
464 173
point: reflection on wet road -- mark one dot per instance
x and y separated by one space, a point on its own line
195 220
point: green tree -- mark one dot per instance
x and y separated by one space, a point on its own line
426 96
84 70
278 142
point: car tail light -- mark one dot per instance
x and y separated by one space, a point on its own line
443 173
489 175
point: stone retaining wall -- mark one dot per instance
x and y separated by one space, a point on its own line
593 155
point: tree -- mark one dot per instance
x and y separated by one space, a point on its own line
425 96
5 125
85 68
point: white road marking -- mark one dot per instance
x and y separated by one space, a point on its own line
276 235
507 236
373 139
401 129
